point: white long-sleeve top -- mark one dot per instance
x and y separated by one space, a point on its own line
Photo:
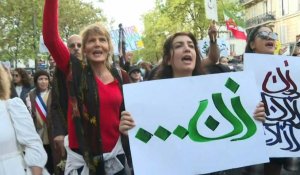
15 131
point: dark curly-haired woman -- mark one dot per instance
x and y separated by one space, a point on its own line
22 84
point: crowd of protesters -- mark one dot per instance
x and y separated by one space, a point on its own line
78 111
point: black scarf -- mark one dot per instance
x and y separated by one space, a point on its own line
85 102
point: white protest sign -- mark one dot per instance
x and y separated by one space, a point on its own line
211 9
195 125
278 81
222 43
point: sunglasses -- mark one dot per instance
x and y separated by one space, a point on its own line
267 35
74 44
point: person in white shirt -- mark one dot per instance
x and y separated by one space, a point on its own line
18 135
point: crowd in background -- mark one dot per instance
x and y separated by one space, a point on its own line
69 102
48 84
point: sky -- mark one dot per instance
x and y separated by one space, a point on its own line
127 12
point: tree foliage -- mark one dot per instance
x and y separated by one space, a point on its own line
21 25
177 15
75 15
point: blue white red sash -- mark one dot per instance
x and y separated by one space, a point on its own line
41 107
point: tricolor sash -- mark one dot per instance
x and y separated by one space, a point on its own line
41 107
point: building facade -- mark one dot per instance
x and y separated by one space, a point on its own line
283 16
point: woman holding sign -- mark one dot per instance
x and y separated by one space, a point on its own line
95 99
181 58
262 40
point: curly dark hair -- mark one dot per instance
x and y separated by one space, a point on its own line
25 79
165 70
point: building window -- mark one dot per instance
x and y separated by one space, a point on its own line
232 49
252 12
284 7
269 5
283 34
265 6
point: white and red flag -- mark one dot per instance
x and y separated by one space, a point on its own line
235 25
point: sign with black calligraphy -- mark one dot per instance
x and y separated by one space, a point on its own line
223 45
195 125
278 80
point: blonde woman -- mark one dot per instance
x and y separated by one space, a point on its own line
18 135
95 99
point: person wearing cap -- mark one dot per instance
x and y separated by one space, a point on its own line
135 74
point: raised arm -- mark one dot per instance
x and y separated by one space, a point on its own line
214 52
54 43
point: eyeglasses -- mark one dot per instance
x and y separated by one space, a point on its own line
72 45
267 35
